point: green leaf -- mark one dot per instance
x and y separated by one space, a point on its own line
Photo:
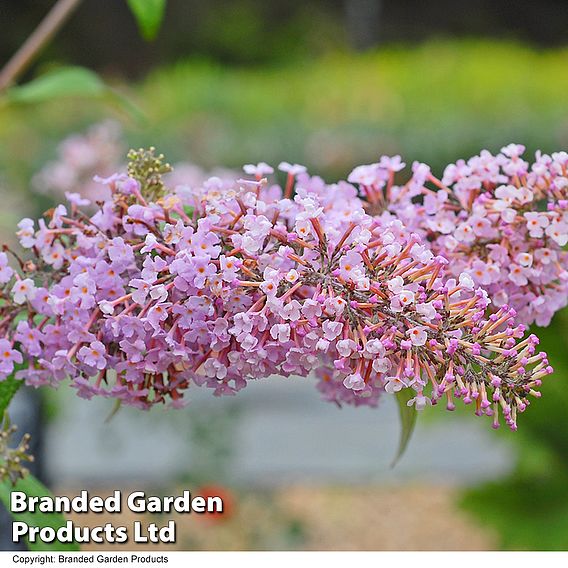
407 421
8 388
149 15
115 408
125 104
71 82
61 82
32 487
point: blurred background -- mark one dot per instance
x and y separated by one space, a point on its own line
330 84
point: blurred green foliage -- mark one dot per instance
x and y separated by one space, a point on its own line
436 103
530 508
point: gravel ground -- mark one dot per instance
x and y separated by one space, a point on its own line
403 517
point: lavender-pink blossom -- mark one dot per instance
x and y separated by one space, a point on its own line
162 290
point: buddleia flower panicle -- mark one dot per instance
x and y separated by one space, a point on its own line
230 281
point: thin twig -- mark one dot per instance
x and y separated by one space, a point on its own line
48 27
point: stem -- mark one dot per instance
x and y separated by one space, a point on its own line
42 35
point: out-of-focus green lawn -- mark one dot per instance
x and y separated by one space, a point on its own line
435 103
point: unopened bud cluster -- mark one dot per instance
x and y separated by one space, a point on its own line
13 459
